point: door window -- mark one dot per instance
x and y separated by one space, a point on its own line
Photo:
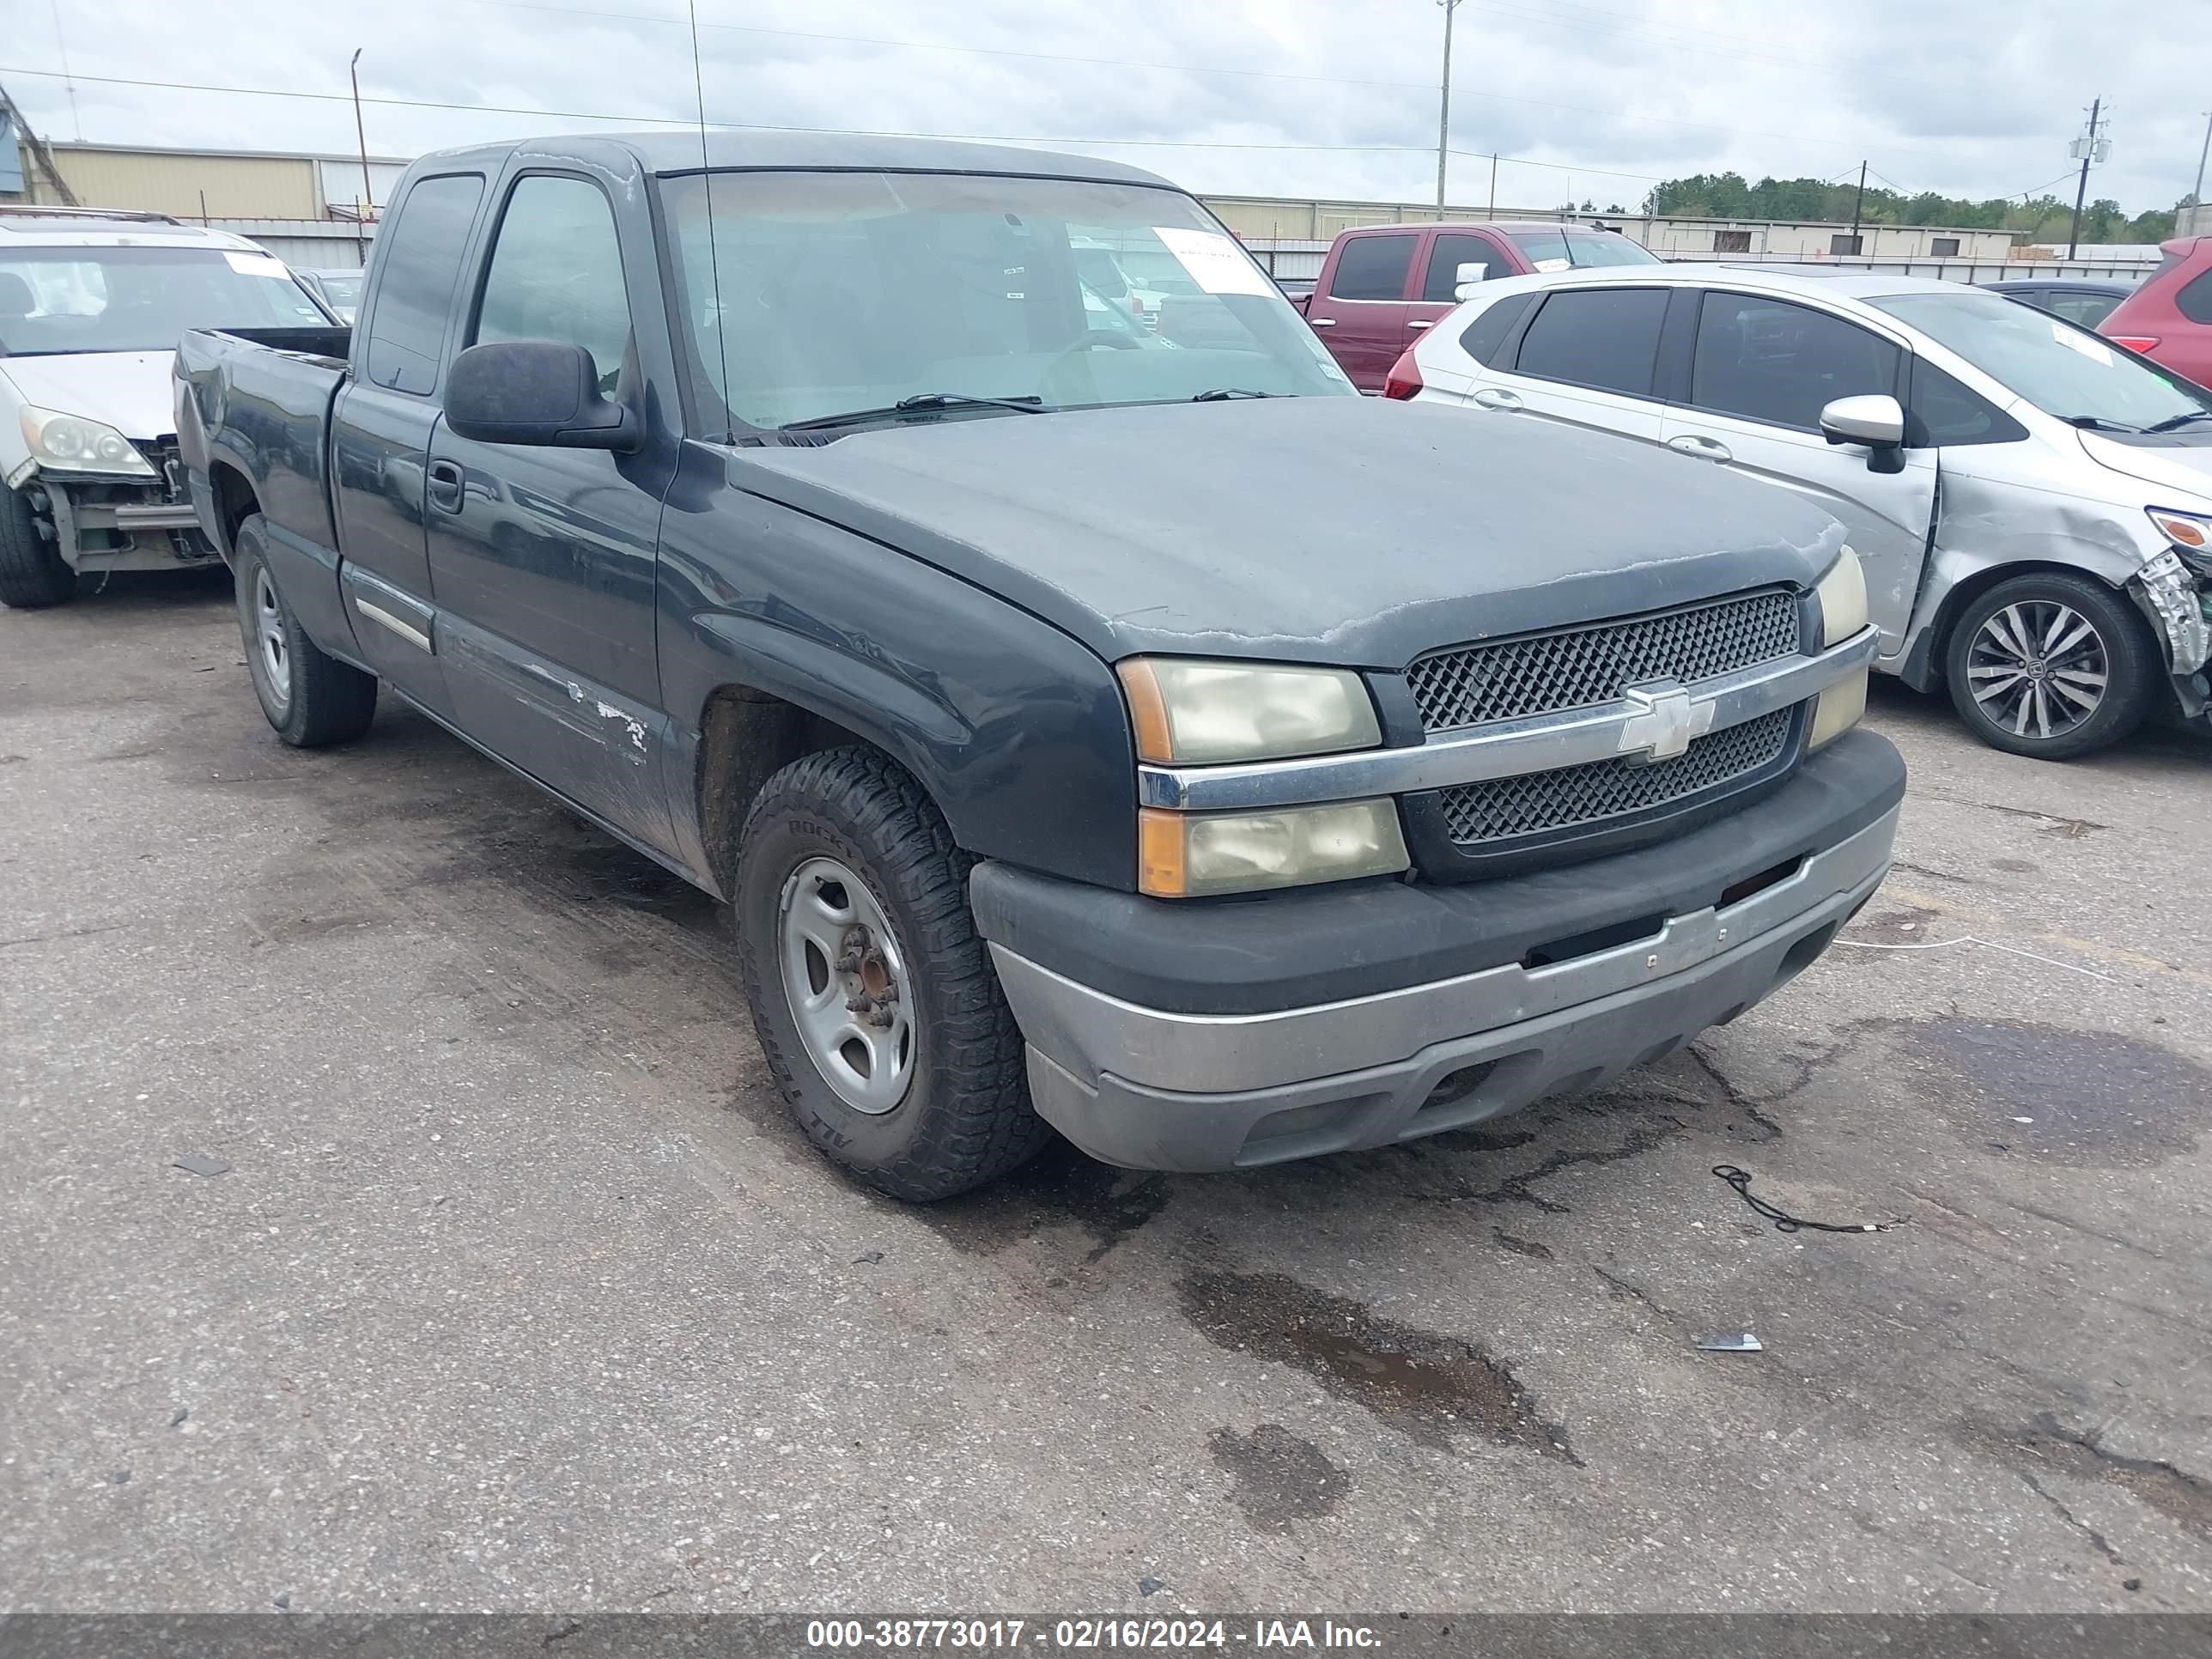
1942 409
1767 360
1607 337
1372 268
421 259
1451 250
556 274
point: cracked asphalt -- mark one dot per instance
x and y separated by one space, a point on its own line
519 1292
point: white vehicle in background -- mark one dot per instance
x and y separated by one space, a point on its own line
2032 504
92 305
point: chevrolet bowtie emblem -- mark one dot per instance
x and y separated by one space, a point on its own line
1662 719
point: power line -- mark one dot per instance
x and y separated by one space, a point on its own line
686 121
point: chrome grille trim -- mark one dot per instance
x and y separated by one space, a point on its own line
1541 742
1592 795
1581 667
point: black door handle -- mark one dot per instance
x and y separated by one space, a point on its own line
446 485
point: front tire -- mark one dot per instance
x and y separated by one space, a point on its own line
874 1001
309 697
33 573
2052 665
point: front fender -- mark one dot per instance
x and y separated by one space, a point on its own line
1016 730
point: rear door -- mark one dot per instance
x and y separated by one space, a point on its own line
1361 312
1587 358
1760 372
544 558
380 428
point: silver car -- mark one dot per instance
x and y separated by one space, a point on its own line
2032 504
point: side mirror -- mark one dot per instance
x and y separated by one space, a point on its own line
1876 420
1468 274
533 391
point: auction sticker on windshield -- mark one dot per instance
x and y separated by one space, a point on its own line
2086 344
1215 263
255 265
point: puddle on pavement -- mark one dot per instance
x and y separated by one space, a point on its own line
1434 1389
1277 1477
2094 1097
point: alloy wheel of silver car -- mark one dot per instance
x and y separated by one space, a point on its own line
270 638
847 982
2038 668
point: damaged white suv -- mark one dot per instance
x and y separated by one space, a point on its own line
91 306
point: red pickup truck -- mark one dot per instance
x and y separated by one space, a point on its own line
1382 284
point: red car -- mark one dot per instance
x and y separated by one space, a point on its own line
2169 318
1381 284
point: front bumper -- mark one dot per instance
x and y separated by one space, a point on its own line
102 524
1140 1085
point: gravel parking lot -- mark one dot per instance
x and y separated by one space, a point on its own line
520 1292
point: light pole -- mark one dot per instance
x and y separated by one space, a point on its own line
1444 102
2196 195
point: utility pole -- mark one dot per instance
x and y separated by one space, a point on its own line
2088 149
361 137
1492 214
1858 203
2196 195
1444 103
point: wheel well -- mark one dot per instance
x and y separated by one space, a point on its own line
234 503
745 737
1972 587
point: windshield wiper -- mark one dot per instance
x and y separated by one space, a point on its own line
2098 423
2174 422
921 403
1222 394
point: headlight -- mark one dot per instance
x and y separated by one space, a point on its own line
1193 713
1191 854
2190 532
72 444
1843 597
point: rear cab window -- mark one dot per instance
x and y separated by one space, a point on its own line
423 245
1605 338
1373 267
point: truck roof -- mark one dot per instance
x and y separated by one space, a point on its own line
678 152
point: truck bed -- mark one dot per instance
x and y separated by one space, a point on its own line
257 402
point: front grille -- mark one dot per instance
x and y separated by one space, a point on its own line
1544 673
1504 809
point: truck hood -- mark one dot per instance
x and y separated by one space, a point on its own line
1342 530
126 390
2180 470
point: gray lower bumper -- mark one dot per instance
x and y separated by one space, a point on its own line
1154 1090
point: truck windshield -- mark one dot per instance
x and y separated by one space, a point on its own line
1562 250
816 293
57 300
2062 369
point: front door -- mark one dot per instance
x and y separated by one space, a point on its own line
1760 373
544 559
1360 311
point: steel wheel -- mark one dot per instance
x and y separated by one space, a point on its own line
846 980
270 639
2038 668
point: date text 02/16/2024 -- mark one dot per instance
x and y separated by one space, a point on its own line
1082 1634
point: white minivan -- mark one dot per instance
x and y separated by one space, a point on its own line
92 305
2032 504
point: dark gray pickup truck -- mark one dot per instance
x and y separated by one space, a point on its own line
1102 722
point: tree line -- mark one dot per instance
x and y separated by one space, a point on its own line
2038 219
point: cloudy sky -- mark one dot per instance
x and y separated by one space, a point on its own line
1593 99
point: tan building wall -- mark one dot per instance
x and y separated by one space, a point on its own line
1259 217
173 181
